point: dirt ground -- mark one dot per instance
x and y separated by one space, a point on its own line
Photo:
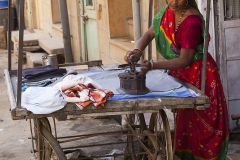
14 142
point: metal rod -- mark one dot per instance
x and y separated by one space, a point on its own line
205 47
141 143
95 134
32 138
20 52
136 20
149 25
9 35
55 127
94 145
80 138
66 31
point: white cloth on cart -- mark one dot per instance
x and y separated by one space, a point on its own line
46 100
42 100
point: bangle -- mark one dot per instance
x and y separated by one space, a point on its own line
138 49
152 65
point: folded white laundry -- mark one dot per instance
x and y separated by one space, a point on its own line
42 100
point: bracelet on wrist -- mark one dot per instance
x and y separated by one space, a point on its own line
137 49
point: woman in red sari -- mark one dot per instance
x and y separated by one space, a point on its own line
178 30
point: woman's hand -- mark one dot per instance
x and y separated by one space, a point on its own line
146 66
133 56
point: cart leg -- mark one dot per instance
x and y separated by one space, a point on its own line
47 146
161 142
129 120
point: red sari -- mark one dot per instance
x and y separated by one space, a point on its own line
200 135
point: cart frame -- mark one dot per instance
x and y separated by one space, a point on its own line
44 142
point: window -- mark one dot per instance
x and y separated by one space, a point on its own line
89 2
120 19
231 9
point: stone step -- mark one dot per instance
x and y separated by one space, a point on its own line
52 45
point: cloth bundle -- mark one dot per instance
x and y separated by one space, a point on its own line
42 100
83 92
42 73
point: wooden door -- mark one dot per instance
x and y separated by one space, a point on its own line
230 53
90 30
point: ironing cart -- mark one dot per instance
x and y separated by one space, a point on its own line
154 140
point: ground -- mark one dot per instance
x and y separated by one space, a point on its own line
14 135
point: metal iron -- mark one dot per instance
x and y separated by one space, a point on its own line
132 81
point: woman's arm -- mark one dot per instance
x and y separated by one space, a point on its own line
184 60
141 44
145 39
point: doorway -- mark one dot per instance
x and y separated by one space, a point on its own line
89 20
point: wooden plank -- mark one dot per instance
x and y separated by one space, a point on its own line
30 37
3 38
96 63
77 68
26 48
52 45
119 108
31 48
11 96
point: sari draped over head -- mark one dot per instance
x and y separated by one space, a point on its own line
200 135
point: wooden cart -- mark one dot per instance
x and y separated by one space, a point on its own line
154 138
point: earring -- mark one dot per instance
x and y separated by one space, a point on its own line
187 2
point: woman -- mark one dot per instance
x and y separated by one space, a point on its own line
178 31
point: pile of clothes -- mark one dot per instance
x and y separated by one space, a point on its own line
77 89
83 92
41 76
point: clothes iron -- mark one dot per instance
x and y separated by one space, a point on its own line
132 81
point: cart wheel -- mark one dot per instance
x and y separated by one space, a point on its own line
47 146
160 143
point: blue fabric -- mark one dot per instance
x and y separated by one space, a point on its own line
109 80
182 92
42 83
